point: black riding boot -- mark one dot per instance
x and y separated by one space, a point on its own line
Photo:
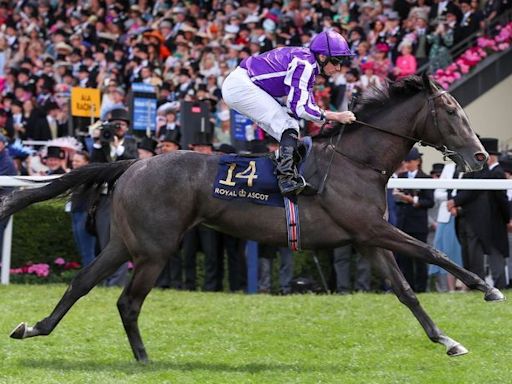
290 183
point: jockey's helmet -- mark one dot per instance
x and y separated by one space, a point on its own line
332 45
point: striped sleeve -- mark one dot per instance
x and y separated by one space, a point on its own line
301 102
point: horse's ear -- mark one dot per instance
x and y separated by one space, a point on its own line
426 82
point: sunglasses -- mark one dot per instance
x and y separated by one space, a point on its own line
337 60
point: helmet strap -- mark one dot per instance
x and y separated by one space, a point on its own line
321 63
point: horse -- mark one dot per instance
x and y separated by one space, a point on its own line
148 225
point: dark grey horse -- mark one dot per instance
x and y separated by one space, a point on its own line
156 200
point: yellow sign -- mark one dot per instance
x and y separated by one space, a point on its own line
85 102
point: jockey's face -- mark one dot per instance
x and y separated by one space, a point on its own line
331 67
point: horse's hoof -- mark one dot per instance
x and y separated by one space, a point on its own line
494 294
19 332
457 350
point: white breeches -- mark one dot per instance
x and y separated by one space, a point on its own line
241 94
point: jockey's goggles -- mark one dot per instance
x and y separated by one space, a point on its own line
337 60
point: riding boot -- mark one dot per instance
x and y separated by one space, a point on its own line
290 183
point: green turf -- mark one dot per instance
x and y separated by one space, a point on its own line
235 338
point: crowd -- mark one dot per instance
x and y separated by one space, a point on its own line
185 49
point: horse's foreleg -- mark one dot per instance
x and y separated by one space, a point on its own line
385 262
384 235
145 274
104 265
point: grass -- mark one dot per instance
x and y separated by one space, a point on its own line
235 338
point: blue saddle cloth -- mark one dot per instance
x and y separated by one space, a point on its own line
246 178
250 178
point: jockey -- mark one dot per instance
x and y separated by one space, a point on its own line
255 86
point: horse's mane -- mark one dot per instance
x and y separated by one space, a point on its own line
375 98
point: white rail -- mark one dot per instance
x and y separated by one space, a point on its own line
28 181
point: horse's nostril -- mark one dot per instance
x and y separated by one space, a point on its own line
481 157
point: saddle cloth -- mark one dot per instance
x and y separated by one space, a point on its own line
253 178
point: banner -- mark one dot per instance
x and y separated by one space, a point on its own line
85 102
144 114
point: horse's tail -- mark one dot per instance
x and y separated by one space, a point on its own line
94 174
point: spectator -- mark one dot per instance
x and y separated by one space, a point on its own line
201 238
406 62
344 259
441 39
55 161
146 148
47 126
112 146
266 255
482 218
85 242
412 218
7 168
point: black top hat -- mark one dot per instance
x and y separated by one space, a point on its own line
119 114
506 164
226 148
437 168
414 154
83 68
50 106
55 152
491 145
148 144
202 138
17 103
173 136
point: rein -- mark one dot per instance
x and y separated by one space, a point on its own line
441 148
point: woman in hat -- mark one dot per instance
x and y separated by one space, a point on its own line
254 88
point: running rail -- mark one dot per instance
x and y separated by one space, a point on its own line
28 181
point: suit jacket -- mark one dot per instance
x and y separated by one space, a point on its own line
487 212
102 155
39 129
414 219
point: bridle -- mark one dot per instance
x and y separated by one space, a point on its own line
441 148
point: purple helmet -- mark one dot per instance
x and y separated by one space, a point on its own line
330 44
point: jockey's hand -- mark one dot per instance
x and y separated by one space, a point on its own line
345 117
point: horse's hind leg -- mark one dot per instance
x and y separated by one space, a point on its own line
146 272
107 262
385 262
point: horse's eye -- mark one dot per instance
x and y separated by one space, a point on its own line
451 111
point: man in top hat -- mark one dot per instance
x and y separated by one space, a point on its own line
201 238
147 148
112 144
120 145
482 218
412 217
47 127
55 161
170 142
437 169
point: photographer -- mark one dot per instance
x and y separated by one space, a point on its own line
112 144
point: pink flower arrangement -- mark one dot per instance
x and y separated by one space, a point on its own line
40 270
44 270
472 56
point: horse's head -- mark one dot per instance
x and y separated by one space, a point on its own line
448 126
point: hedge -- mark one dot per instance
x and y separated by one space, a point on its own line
42 233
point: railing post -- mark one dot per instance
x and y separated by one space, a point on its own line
6 253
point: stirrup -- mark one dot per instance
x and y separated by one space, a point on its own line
308 189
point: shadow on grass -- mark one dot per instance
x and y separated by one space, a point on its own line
189 366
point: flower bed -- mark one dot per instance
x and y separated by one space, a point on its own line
485 46
60 271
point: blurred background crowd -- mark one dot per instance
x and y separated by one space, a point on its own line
185 49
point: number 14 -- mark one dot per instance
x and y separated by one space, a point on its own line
249 173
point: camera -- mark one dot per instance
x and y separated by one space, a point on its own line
108 131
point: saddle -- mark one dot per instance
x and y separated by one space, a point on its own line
253 177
